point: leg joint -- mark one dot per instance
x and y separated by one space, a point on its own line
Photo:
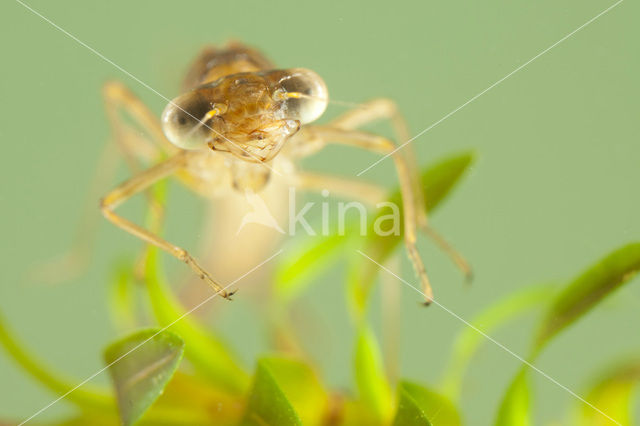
183 255
105 206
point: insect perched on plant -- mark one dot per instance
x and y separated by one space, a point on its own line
240 125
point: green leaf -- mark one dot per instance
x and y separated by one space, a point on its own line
268 404
206 351
515 407
420 406
588 290
300 384
86 397
613 395
296 272
574 301
497 315
437 182
409 412
439 179
140 366
371 380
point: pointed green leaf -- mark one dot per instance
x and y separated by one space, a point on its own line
437 182
371 379
574 301
409 412
497 315
140 366
613 395
515 407
588 290
268 404
296 272
300 384
418 405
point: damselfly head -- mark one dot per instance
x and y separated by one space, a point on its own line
250 115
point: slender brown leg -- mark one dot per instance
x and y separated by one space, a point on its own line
383 108
142 142
449 250
118 98
368 193
139 183
387 109
137 151
382 145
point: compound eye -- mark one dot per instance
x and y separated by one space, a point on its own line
304 94
184 121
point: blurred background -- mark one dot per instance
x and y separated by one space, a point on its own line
555 186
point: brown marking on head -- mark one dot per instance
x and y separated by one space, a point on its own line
249 114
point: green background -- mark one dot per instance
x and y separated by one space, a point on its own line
555 186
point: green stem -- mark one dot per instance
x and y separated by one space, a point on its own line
95 398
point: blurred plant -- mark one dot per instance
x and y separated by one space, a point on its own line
152 387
